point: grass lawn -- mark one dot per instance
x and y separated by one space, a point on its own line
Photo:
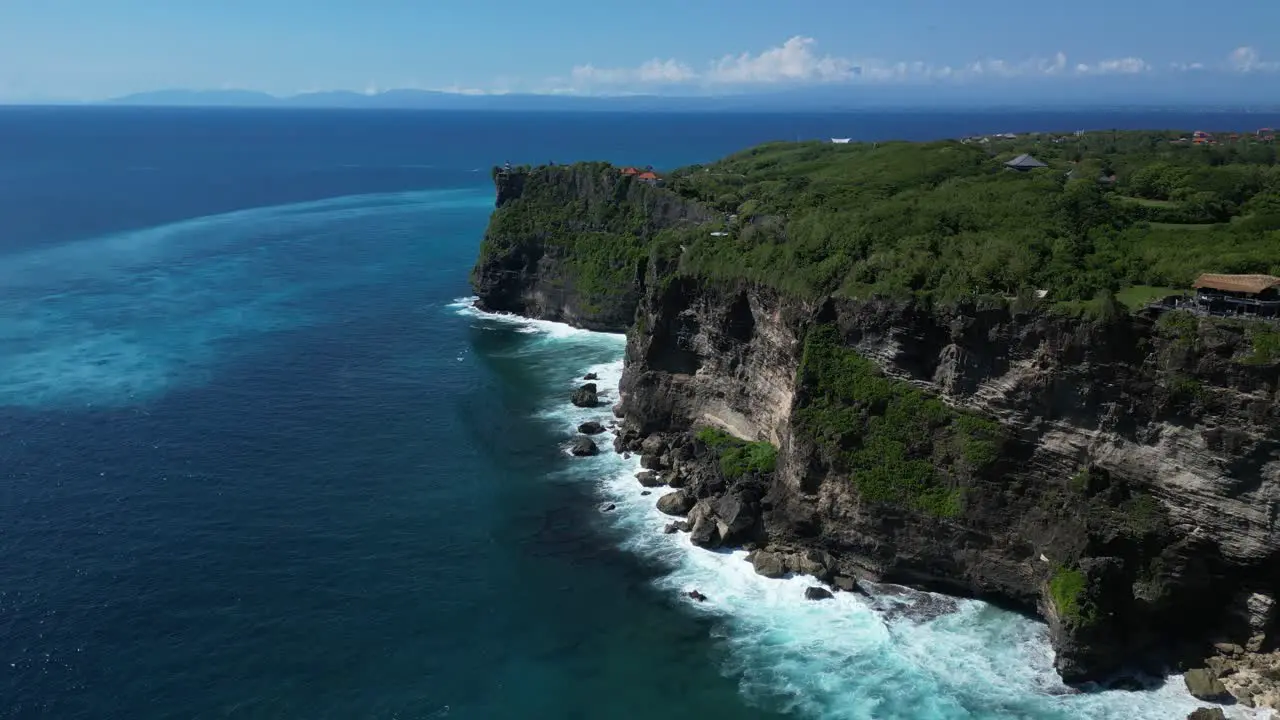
1148 203
1138 296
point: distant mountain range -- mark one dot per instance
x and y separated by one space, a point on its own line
414 99
1180 90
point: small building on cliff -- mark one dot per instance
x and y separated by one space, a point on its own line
1238 294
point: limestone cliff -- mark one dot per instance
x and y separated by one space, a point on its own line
1121 478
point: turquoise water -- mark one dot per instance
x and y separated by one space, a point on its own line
260 458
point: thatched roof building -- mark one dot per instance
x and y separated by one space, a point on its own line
1244 284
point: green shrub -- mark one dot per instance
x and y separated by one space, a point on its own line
1079 482
1265 346
739 457
1186 388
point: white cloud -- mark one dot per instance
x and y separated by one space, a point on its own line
463 90
655 71
798 61
793 61
1248 59
1119 66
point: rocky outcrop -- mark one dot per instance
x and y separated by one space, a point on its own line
591 427
676 503
1252 678
586 396
1119 478
584 447
817 593
1205 685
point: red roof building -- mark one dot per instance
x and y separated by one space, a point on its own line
646 176
630 171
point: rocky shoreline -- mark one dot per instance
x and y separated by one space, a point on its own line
719 512
722 513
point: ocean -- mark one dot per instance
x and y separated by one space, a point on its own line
260 458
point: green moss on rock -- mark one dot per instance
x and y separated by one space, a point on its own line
900 444
1067 587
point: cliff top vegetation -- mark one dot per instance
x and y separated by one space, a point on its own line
1138 214
1111 211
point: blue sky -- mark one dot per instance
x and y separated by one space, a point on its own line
93 49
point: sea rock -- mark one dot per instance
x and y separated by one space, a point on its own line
608 507
649 478
846 583
617 411
653 445
737 516
583 447
676 503
920 607
591 376
817 563
769 564
1203 684
591 427
1207 714
585 396
651 462
697 596
727 521
646 492
675 527
703 530
623 440
817 593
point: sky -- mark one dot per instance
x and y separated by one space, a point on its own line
80 50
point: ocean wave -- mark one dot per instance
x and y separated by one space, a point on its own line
853 657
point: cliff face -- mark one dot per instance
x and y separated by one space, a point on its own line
1119 478
1133 503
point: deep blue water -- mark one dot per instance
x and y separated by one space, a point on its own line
257 461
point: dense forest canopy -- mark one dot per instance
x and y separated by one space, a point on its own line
1111 212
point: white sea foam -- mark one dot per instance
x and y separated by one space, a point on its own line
545 329
847 658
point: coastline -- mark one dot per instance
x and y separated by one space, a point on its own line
927 654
